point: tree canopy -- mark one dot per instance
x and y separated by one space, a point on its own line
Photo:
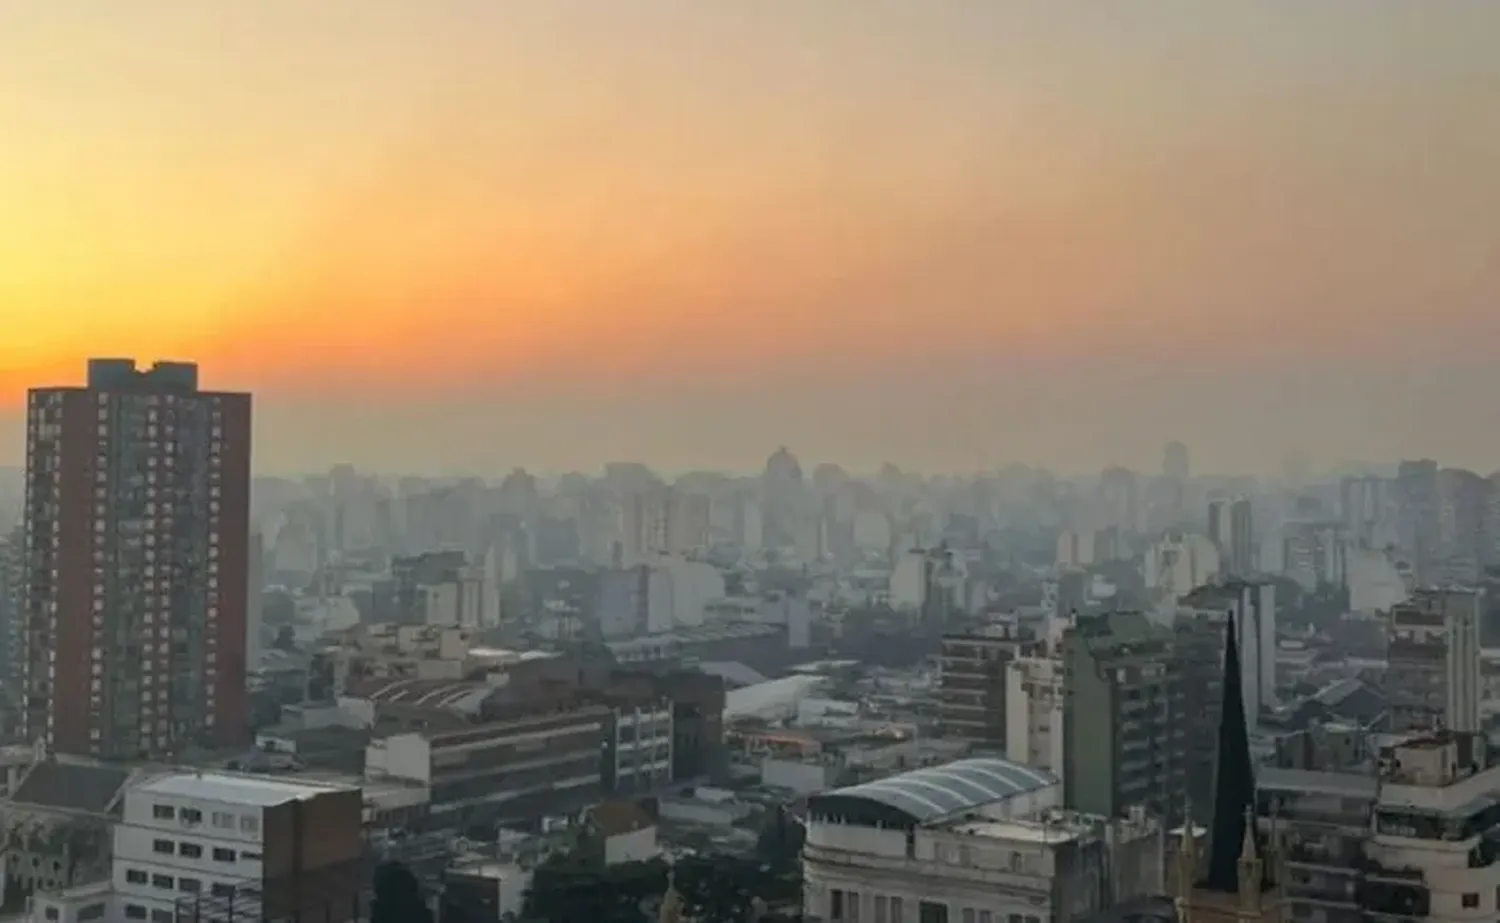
398 896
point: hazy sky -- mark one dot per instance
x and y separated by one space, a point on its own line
478 233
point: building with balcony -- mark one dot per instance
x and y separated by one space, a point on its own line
972 682
1124 717
979 841
1433 673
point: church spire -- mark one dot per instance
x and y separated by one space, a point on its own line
1234 779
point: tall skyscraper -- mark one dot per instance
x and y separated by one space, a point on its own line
137 526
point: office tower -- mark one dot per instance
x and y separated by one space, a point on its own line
136 549
1432 679
1230 525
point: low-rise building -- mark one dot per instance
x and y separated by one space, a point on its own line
980 840
513 769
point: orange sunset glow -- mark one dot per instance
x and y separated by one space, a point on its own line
572 231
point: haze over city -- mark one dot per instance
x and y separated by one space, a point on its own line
462 237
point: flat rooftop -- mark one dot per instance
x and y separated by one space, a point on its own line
1021 831
236 789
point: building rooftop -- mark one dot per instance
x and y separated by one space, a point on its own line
253 791
939 792
71 786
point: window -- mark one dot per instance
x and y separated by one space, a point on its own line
896 910
190 850
190 885
163 811
836 905
135 912
1471 899
164 882
967 915
250 824
986 917
223 855
247 854
162 847
161 916
223 820
135 876
881 908
221 890
52 914
192 816
91 912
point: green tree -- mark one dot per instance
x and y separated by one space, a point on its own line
398 896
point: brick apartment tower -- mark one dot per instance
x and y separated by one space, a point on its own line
136 549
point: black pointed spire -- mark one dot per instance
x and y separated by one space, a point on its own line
1234 777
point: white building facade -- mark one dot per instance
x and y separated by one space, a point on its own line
975 841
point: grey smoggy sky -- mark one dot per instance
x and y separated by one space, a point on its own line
469 235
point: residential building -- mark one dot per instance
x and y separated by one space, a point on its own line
1251 605
1433 674
1408 834
136 550
203 845
1417 517
1124 744
661 520
1231 526
1315 555
1034 705
972 682
979 840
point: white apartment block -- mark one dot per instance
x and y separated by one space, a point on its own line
1034 713
223 846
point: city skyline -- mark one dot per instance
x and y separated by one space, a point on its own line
531 234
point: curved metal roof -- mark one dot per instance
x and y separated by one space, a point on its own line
954 788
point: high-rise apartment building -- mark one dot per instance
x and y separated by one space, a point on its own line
1231 526
1433 678
1123 711
972 682
135 557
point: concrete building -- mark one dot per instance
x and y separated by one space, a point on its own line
136 550
224 846
1315 554
1122 717
1251 604
661 520
443 589
1231 527
972 682
1411 834
1034 705
979 840
1417 517
1433 677
512 769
